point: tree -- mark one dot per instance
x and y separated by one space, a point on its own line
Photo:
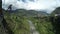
4 23
10 7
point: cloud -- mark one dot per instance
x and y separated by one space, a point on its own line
32 4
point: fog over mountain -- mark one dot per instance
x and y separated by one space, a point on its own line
47 5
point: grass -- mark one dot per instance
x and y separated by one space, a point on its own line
43 26
18 24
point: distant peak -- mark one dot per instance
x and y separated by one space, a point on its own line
32 0
23 0
58 8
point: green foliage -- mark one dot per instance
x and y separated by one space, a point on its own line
18 24
30 13
43 26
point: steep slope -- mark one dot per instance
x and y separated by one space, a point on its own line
16 23
56 11
17 19
55 19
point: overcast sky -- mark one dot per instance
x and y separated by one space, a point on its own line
48 5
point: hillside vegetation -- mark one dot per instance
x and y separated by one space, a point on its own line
18 24
43 25
16 21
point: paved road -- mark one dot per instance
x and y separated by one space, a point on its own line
32 28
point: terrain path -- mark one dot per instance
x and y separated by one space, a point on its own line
32 28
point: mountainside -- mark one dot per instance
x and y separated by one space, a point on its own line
30 12
13 23
23 12
56 11
16 21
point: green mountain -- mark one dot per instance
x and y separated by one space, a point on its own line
56 11
13 23
30 13
16 20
